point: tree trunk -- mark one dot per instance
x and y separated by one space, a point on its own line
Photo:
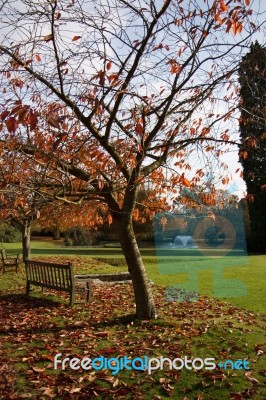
56 233
26 231
145 307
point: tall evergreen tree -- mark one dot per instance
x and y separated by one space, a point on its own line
252 79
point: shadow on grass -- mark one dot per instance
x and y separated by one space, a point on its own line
29 302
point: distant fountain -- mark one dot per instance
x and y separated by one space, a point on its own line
184 242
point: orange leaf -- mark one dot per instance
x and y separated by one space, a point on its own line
218 19
175 68
205 131
158 46
208 148
236 27
11 124
38 57
4 115
112 77
223 6
239 27
184 181
109 65
229 24
243 154
32 119
76 38
247 2
22 114
54 121
139 128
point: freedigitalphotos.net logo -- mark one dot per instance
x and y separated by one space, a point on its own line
144 363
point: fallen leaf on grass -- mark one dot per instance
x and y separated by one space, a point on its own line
102 334
39 370
250 379
48 392
75 390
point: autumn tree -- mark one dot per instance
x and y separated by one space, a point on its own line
115 93
28 193
252 78
19 205
60 216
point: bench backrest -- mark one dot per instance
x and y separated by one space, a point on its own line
50 275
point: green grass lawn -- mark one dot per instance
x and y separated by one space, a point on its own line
33 330
252 273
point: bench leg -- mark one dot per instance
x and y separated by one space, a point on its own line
72 297
89 292
27 288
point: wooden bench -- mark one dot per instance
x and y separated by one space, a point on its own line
9 261
58 277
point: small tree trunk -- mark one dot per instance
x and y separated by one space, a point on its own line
56 233
26 231
145 307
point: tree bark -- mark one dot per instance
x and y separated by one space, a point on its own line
26 232
145 307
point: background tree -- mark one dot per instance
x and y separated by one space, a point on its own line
114 93
28 192
84 219
8 233
19 204
252 78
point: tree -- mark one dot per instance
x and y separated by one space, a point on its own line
9 234
19 205
114 93
252 78
27 193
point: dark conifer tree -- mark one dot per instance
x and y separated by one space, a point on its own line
252 154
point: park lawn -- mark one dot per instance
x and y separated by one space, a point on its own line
33 331
252 273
